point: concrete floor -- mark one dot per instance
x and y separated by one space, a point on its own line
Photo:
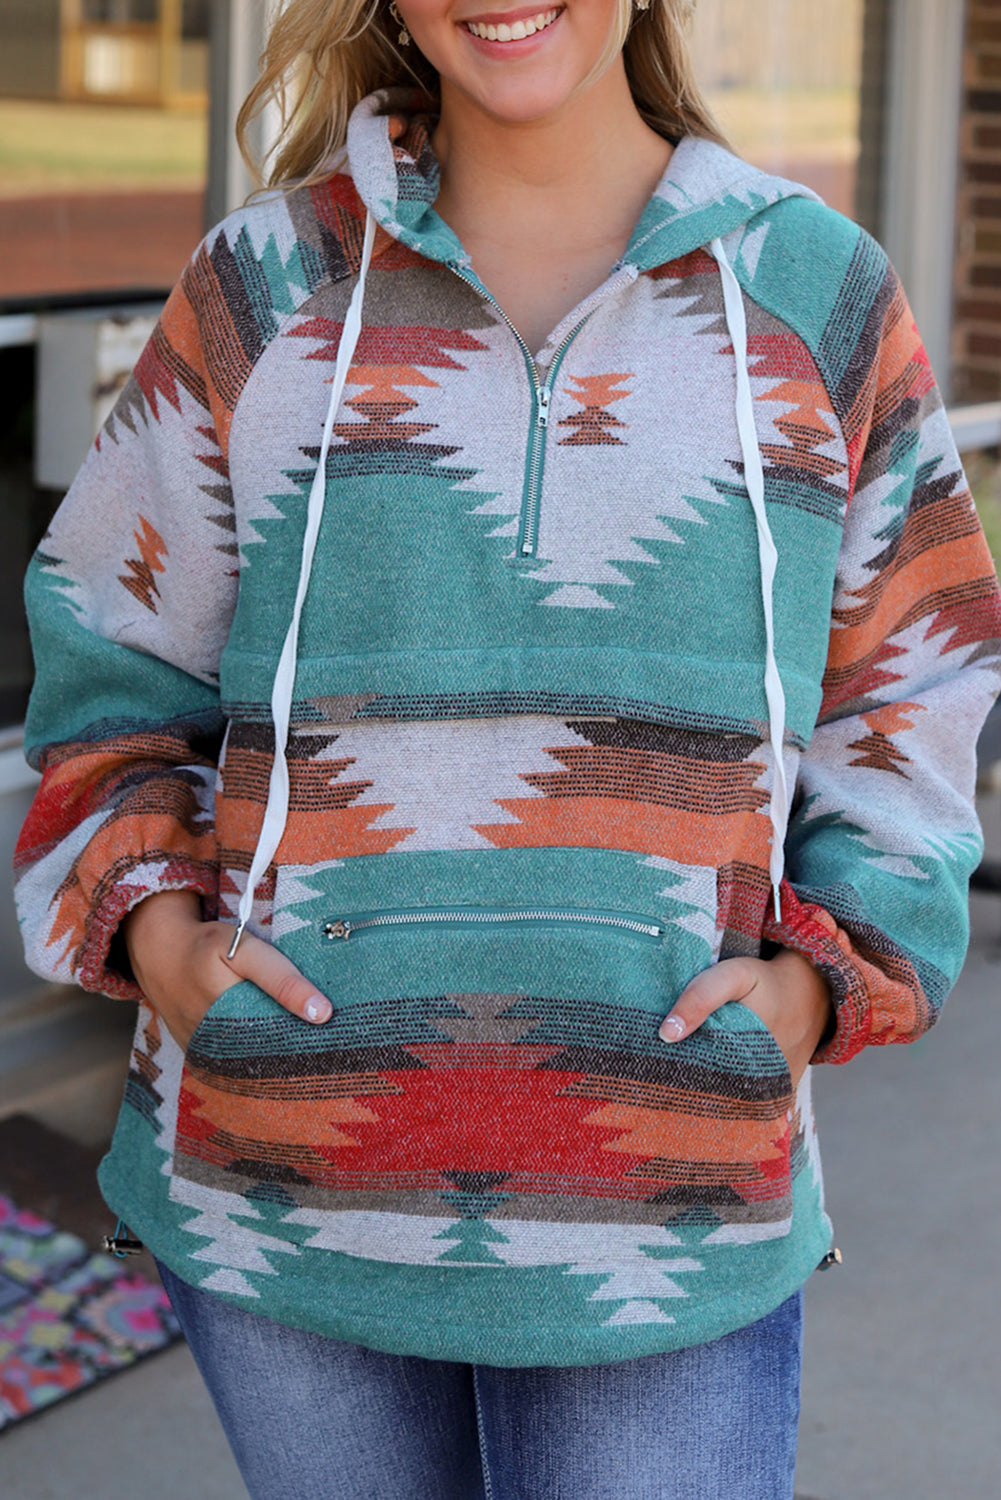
903 1361
903 1356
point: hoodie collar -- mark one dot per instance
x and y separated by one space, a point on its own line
396 173
705 193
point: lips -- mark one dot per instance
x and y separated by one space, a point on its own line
516 30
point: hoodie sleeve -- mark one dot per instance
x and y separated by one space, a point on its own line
129 600
883 835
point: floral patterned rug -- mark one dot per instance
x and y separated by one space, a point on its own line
68 1316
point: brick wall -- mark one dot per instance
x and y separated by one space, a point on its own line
977 326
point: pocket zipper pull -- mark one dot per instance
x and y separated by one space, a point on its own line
120 1245
338 929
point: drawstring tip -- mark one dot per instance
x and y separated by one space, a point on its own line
777 901
238 934
120 1244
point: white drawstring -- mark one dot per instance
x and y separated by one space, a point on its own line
754 478
276 811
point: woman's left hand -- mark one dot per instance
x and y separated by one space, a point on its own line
786 992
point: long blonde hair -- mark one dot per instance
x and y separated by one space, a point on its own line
323 56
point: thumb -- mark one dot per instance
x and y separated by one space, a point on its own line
278 977
733 979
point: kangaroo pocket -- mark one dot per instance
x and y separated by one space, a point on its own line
489 1069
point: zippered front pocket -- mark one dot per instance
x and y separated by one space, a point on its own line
342 928
486 1060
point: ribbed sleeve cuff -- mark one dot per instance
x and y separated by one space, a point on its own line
810 930
101 961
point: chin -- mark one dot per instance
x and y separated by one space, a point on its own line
522 103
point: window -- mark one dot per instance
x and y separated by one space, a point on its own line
784 78
103 126
103 151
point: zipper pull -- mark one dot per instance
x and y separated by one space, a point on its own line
338 929
542 402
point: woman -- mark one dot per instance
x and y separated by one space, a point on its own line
559 517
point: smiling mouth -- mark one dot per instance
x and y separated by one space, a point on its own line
516 31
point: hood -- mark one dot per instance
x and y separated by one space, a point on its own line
705 194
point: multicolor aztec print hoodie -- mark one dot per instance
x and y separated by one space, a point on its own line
531 774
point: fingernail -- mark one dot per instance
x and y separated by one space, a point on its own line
317 1009
673 1029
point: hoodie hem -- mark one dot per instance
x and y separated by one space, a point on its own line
310 1303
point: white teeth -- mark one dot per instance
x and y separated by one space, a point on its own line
517 31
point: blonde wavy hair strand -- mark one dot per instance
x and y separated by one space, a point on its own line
323 56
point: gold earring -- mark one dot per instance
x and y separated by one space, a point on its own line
404 36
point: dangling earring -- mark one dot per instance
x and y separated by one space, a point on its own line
404 36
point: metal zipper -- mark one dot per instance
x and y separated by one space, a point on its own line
341 928
528 536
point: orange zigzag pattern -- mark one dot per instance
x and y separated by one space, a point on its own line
139 580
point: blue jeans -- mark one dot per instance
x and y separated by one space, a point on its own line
311 1418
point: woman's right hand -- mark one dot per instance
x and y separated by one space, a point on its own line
180 964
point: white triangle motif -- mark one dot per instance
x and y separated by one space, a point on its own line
577 596
228 1280
638 1312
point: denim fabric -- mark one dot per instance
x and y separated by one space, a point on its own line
313 1417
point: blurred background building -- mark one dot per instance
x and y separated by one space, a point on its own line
116 151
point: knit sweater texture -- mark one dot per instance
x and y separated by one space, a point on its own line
529 754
